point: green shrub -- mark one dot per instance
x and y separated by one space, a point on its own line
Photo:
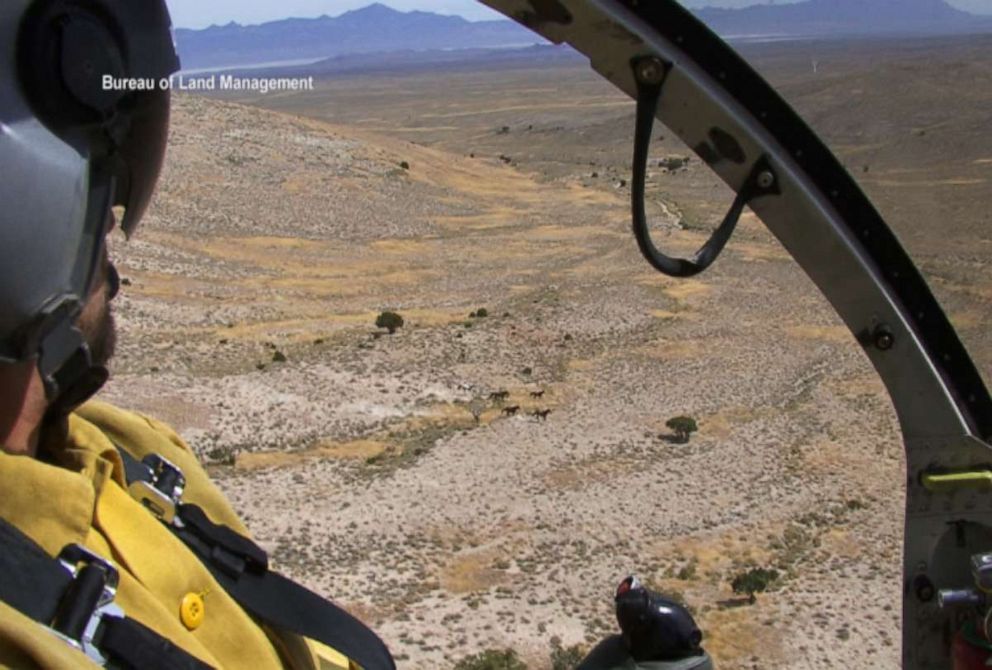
682 426
673 163
565 658
688 571
492 659
390 321
755 580
222 455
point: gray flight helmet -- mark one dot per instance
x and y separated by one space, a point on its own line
73 145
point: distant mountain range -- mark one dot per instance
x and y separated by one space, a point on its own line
403 61
373 29
845 17
377 29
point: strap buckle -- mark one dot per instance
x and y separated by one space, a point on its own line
162 491
88 600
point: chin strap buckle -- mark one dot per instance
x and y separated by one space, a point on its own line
64 361
87 602
161 490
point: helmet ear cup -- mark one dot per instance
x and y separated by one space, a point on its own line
65 49
654 628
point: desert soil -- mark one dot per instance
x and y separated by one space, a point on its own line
376 468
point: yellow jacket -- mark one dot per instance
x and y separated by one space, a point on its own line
84 499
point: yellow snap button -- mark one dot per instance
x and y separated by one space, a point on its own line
192 610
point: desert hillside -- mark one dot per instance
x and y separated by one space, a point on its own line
378 469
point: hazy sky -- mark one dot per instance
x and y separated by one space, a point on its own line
199 14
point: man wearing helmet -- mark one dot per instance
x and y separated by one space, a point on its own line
117 549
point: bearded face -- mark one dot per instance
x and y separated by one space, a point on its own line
96 322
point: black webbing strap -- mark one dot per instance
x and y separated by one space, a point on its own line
144 648
241 567
31 581
286 605
650 74
42 589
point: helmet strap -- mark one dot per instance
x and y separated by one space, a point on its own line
67 369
